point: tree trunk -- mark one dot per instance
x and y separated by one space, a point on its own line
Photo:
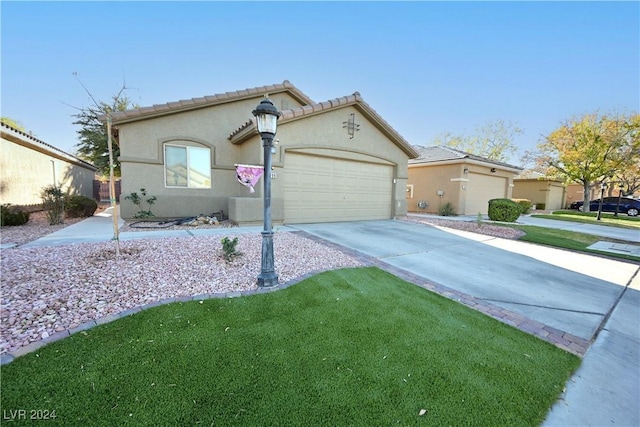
587 197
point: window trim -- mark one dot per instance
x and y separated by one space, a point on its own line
187 149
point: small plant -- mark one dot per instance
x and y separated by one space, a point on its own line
447 210
53 204
229 251
504 210
12 215
479 219
80 207
139 200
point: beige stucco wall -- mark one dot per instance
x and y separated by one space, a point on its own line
25 170
549 194
141 147
428 180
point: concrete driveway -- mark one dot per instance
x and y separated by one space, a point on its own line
594 298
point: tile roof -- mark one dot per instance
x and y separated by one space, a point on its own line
206 101
12 134
248 129
440 153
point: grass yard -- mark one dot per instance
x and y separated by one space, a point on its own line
566 239
622 220
356 347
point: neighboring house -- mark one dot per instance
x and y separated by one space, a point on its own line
446 175
27 165
544 193
333 161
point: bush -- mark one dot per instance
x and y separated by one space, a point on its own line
12 215
525 205
541 206
229 250
80 207
447 210
504 210
139 200
53 204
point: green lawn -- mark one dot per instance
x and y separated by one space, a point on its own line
566 239
355 347
622 220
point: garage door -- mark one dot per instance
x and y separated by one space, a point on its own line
322 189
481 189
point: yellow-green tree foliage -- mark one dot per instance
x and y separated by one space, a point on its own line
590 149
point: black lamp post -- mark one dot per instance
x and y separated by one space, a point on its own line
267 120
603 186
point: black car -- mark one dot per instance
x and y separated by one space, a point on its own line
627 205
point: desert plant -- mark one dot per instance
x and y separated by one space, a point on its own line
479 219
503 210
12 215
53 203
80 207
525 205
229 250
447 210
139 200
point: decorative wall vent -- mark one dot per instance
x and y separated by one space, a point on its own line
351 125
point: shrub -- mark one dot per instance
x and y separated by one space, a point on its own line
12 215
541 206
229 250
53 204
525 205
447 210
80 207
504 210
139 200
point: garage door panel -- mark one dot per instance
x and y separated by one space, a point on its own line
322 189
481 189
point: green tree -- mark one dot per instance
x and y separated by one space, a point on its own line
93 133
591 149
13 123
493 140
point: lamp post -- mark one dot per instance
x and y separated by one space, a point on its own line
267 115
620 188
603 187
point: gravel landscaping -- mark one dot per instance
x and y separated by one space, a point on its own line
44 291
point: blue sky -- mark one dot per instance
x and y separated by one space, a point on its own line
426 67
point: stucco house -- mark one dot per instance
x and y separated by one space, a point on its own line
445 175
544 193
333 161
27 165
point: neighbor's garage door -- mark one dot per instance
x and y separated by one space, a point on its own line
322 189
481 189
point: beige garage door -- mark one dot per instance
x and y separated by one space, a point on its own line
321 189
481 189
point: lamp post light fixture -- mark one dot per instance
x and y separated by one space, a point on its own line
603 187
267 116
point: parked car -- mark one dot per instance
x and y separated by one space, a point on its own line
627 205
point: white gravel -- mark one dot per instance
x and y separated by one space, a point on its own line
44 291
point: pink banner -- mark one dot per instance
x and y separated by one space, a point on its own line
249 175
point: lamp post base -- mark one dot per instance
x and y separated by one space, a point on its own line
267 277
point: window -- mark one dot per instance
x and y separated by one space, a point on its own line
187 167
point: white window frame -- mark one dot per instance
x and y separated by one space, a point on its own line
189 180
